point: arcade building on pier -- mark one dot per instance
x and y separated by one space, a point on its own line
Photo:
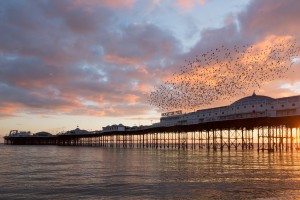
253 106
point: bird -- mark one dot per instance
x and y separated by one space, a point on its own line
222 73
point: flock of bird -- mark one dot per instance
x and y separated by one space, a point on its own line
222 73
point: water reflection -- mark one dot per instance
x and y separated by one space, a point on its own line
35 172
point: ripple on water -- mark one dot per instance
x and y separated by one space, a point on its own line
52 172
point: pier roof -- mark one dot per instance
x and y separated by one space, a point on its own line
253 97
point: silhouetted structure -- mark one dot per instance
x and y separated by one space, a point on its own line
274 126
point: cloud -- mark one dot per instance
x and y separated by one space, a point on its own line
143 41
106 3
59 56
9 110
51 32
188 5
270 17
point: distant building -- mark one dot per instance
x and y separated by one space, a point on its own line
42 134
114 127
16 133
254 106
76 131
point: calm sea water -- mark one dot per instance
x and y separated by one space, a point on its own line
53 172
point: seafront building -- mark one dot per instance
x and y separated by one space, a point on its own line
254 106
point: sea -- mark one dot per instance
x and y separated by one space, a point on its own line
60 172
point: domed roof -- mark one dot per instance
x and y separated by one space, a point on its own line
252 98
43 133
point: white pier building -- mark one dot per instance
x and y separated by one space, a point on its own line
253 106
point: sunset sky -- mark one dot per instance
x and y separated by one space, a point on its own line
90 63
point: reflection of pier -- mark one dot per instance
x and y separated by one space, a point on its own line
265 133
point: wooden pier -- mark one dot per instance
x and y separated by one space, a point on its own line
263 134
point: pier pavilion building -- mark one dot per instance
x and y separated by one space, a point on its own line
254 106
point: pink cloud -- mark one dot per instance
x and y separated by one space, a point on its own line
90 4
130 98
188 5
121 60
9 110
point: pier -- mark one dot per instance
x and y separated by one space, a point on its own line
253 122
263 134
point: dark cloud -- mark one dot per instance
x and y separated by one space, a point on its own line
54 31
17 70
143 42
61 55
268 17
212 38
26 98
